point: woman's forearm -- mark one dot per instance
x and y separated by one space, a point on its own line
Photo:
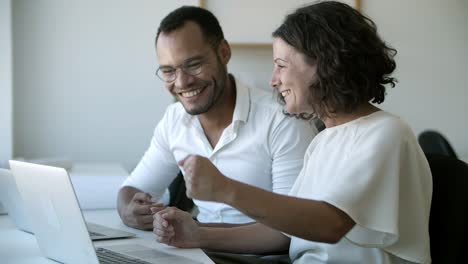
308 219
250 239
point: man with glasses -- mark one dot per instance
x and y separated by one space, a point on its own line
240 130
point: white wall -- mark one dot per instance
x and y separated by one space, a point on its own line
252 65
6 140
84 78
431 37
84 84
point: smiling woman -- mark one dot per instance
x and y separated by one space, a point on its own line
292 76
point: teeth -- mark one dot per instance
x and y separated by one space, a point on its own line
285 93
191 93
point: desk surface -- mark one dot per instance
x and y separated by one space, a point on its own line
20 247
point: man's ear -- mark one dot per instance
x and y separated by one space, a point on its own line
224 51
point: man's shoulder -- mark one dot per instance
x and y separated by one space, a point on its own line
174 116
175 111
265 101
266 110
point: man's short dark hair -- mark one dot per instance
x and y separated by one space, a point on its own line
353 63
208 23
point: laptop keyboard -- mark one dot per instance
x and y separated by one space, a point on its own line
109 256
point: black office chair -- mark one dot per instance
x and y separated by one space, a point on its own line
177 196
319 124
448 222
433 142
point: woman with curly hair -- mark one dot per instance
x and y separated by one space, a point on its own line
364 193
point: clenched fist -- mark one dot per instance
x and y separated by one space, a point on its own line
203 180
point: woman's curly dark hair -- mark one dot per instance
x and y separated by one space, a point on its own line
353 63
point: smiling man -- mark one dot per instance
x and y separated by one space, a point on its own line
240 130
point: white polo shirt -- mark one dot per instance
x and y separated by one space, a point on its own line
374 170
261 147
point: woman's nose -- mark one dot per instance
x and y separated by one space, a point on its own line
274 82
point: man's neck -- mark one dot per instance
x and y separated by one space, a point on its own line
220 115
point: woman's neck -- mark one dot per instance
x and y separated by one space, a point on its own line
342 118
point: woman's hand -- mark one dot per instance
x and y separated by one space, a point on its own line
203 180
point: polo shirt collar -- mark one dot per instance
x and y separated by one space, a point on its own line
242 107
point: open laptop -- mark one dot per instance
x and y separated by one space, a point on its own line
59 226
12 201
16 209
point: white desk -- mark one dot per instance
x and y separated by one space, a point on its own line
20 247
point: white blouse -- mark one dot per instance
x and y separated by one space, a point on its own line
373 169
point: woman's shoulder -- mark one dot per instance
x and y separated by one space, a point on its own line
383 130
384 123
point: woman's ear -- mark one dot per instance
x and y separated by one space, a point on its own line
224 51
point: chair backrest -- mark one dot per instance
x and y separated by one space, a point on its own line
177 195
319 124
448 222
433 142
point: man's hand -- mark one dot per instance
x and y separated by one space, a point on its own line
176 228
202 179
138 213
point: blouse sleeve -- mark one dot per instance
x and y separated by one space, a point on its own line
367 187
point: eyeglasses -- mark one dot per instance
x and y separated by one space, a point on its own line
169 74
